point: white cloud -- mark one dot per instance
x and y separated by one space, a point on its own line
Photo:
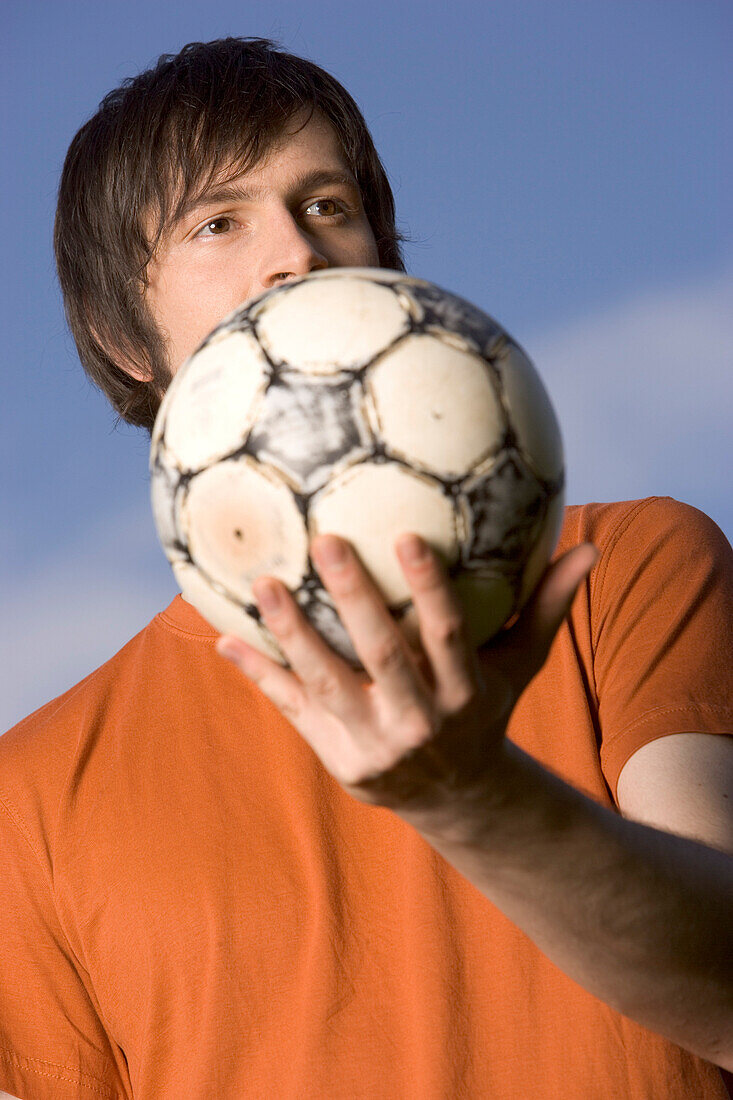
76 608
644 392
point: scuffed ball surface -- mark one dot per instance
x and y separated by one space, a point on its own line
363 403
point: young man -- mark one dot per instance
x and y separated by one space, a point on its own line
222 878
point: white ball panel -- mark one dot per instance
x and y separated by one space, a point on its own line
414 390
216 399
240 522
370 274
371 505
411 306
224 615
325 327
533 416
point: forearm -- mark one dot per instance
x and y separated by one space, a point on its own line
640 918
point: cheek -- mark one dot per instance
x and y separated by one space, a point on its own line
198 307
365 252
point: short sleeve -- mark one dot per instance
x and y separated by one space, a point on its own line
662 614
52 1042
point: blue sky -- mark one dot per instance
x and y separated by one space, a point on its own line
567 167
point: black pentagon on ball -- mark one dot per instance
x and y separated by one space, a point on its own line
446 311
507 507
307 430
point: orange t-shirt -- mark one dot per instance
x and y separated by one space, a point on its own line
192 907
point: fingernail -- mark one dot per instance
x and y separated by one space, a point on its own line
227 649
412 549
331 553
267 596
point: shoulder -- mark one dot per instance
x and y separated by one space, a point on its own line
654 622
634 521
663 564
39 750
649 548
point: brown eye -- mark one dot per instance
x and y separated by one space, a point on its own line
215 227
327 208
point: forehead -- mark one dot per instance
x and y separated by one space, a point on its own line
310 146
305 131
307 149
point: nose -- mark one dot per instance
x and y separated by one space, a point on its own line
288 252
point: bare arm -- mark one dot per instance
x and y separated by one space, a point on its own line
639 917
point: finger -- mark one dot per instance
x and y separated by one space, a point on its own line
324 675
279 684
551 603
326 734
380 645
442 623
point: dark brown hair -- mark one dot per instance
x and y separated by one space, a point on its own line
156 141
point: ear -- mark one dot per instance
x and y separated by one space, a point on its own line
136 366
138 373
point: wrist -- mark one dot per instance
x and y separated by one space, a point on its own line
513 803
469 814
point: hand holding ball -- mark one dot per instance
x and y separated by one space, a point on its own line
363 403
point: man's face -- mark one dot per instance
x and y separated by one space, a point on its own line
298 210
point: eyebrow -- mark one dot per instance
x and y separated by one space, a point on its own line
234 191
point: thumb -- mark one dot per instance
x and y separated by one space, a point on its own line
541 619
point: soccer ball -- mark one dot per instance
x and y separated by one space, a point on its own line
364 403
